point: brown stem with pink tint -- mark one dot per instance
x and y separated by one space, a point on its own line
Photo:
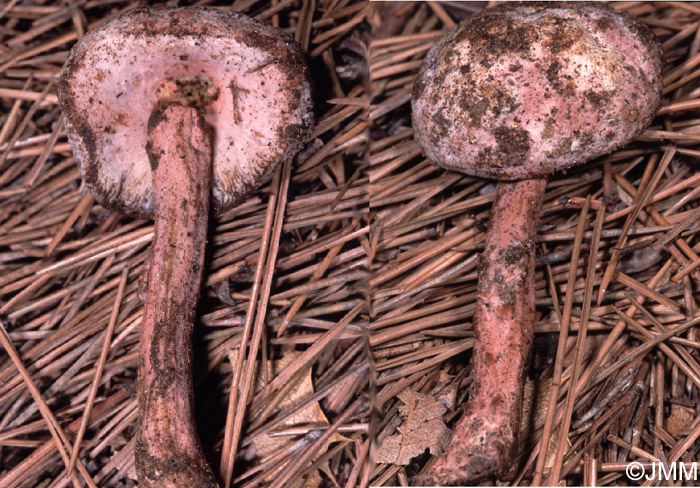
484 438
168 452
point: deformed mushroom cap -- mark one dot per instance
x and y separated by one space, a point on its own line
249 80
523 91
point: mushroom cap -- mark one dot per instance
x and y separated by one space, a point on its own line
249 80
523 91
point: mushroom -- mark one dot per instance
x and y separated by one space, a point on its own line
167 109
516 93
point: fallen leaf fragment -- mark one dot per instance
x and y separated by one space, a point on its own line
312 416
422 429
679 421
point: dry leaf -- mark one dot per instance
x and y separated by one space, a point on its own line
625 197
422 429
640 260
679 421
313 415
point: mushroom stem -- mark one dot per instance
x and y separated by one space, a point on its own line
484 438
168 452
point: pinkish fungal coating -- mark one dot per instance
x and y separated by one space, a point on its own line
523 91
249 80
516 93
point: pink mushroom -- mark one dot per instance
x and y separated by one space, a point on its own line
167 109
516 93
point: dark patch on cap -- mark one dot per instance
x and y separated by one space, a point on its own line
562 33
513 144
552 73
511 150
475 110
442 123
419 87
563 147
295 132
155 21
605 23
598 98
281 47
87 138
492 34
